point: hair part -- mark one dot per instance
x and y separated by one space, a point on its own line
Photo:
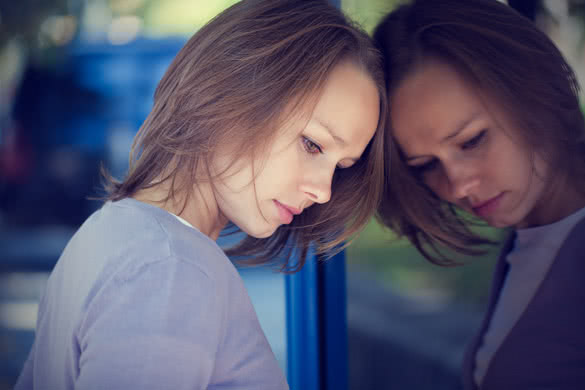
508 59
235 82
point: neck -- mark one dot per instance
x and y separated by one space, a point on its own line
200 209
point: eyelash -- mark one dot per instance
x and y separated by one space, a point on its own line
426 167
467 145
311 146
475 141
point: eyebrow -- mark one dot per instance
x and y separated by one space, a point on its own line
458 129
336 137
331 132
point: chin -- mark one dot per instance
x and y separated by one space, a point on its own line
501 224
265 233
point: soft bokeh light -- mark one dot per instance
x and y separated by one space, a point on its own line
125 7
181 17
95 20
60 29
124 29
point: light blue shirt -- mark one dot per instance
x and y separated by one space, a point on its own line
138 300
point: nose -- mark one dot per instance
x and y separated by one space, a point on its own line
462 179
317 186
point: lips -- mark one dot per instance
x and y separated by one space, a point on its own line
286 213
488 207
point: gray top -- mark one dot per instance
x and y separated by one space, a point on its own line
533 253
138 300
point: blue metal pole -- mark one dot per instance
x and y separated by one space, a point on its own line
317 325
333 341
302 321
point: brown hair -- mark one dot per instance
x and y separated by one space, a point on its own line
239 78
507 57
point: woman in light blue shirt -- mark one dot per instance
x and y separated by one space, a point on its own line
269 119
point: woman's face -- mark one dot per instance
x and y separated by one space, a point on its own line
298 167
465 149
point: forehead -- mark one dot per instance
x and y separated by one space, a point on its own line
349 104
430 104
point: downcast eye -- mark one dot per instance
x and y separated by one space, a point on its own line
311 147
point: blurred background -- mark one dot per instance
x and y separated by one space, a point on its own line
76 81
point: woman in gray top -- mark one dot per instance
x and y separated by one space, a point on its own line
486 123
269 119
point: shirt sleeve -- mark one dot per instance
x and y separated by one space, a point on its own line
158 328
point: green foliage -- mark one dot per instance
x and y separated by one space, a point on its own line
368 12
182 17
396 262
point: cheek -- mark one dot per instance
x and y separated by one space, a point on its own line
269 176
283 171
509 159
540 178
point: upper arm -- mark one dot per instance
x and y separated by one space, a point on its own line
158 329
